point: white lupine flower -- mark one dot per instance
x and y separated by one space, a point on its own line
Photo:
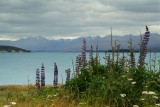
123 95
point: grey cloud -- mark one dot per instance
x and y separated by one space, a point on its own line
148 6
50 18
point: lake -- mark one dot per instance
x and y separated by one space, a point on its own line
20 68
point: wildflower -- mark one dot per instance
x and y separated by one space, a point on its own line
6 105
38 79
82 103
133 82
123 76
55 95
144 92
68 74
42 75
13 103
142 99
157 104
155 97
123 95
151 93
49 96
143 48
130 79
78 63
55 82
91 53
84 61
135 106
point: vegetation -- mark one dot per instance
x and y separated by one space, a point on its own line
28 96
121 82
12 49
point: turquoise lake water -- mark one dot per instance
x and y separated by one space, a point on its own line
18 68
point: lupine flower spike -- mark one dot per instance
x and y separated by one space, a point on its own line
68 71
143 47
42 75
91 53
78 64
84 62
37 79
55 82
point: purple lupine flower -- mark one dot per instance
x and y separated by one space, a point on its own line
42 75
37 79
122 62
96 60
55 82
68 71
91 53
117 52
143 48
84 62
132 58
78 64
108 60
90 56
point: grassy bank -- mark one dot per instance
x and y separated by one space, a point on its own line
28 96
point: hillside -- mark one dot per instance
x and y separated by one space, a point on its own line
12 49
42 44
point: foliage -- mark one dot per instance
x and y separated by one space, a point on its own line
119 83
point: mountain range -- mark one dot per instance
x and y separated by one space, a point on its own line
104 43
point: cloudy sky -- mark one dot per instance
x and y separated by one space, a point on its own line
56 19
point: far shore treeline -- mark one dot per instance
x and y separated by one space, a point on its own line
4 48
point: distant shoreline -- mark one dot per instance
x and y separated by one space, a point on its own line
12 49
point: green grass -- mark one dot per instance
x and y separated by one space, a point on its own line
106 88
28 96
